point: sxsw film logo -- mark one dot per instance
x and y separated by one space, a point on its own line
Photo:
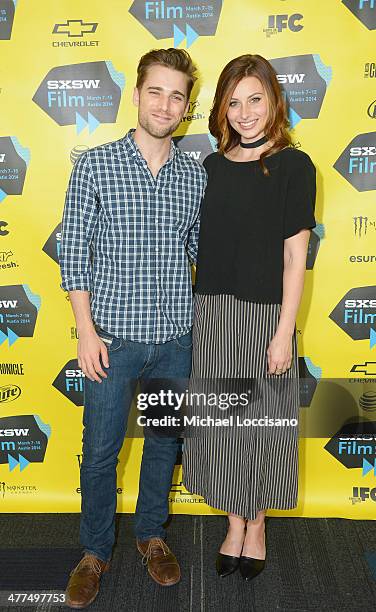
317 234
198 146
23 440
14 159
70 382
278 23
178 19
354 446
9 393
364 10
19 309
357 163
52 245
73 29
355 314
304 80
7 10
85 94
6 260
309 375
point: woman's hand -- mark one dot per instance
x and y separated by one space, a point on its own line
279 353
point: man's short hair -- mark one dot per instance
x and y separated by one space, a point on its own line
176 59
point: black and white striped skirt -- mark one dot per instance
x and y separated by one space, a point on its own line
242 469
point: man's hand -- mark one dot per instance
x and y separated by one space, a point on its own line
91 349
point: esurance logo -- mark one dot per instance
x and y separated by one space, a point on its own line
23 440
52 245
197 146
304 80
178 19
355 314
7 10
364 10
357 163
278 23
81 94
70 382
14 159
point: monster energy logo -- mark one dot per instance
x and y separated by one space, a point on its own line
362 225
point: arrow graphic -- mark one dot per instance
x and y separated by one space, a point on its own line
22 462
81 123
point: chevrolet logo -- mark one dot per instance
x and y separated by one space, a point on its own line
75 28
368 368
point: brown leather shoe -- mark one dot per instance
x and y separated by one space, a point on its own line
83 585
162 564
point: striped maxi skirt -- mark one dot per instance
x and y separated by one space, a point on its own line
241 470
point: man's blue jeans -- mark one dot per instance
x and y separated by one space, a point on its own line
106 409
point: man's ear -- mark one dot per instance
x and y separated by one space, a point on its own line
136 97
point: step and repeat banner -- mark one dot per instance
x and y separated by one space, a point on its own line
67 73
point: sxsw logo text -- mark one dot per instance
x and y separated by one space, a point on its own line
277 23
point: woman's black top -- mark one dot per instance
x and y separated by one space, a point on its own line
245 218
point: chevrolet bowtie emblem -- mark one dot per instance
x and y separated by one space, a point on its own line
74 28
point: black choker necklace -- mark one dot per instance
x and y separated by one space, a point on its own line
253 145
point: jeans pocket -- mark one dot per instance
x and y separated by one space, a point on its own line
185 342
112 342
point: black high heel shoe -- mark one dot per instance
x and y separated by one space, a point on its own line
250 568
226 564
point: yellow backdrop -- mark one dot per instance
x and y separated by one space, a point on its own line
67 72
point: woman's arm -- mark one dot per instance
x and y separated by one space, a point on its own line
295 255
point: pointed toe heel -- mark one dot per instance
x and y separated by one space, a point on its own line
226 564
250 568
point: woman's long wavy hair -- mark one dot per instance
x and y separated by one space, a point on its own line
276 127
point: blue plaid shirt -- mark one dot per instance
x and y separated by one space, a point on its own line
127 237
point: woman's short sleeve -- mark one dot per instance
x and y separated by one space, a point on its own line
301 195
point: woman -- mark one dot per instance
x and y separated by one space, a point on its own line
256 215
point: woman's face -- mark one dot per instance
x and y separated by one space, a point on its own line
248 110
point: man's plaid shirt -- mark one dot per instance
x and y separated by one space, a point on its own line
127 237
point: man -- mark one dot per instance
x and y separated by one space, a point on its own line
130 227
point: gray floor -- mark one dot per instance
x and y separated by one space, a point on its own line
312 564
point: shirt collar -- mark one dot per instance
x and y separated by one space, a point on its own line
132 149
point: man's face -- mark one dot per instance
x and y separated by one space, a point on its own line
162 101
